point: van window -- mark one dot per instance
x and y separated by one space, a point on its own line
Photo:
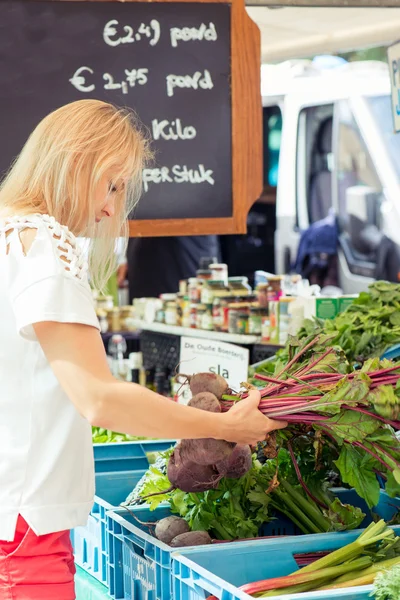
354 165
314 164
272 131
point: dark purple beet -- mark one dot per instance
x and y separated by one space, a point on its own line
237 464
206 451
190 476
192 538
208 382
205 401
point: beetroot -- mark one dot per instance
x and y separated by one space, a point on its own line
206 451
167 529
208 382
205 401
192 538
237 464
190 476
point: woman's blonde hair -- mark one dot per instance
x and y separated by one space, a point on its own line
62 164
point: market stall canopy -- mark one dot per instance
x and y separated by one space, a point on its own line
295 32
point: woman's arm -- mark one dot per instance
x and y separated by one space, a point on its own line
77 357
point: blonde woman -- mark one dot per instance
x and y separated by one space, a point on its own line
79 174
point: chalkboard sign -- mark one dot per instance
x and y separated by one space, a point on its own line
170 61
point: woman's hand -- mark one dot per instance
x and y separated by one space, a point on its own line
246 424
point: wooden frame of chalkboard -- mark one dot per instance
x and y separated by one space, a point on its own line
230 113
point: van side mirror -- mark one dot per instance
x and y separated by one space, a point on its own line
362 207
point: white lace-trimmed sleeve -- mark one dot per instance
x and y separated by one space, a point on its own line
50 281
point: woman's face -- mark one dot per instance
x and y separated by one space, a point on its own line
107 191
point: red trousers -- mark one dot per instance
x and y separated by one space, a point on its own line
37 567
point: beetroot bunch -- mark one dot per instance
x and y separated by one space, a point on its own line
198 465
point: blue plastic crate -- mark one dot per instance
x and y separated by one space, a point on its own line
140 565
127 456
219 571
90 542
118 468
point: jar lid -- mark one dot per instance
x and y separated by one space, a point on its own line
238 279
218 266
192 279
201 307
262 286
101 313
203 272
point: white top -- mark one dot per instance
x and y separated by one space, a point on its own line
46 454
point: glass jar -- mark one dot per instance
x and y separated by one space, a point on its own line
213 289
255 319
193 316
219 272
201 309
262 294
284 318
239 286
126 317
113 319
217 314
239 318
105 302
183 285
204 274
194 290
186 312
171 316
274 290
207 319
103 322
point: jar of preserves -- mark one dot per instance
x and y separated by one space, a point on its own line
113 319
105 302
239 318
262 294
255 319
204 274
219 272
186 312
103 322
126 317
207 319
274 290
193 316
213 289
201 309
171 313
217 314
194 290
239 286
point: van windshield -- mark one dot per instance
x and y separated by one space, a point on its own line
381 109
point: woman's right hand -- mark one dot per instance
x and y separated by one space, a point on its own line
245 424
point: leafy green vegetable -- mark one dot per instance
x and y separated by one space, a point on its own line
105 436
387 585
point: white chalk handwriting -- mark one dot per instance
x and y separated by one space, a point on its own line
132 77
172 130
114 34
189 34
195 81
177 174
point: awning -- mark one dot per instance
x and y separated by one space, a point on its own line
297 32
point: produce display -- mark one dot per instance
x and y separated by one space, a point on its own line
105 436
339 420
358 563
368 327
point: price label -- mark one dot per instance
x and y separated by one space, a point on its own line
228 360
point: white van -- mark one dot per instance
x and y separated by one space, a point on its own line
332 131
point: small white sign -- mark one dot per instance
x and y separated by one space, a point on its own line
394 68
228 360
